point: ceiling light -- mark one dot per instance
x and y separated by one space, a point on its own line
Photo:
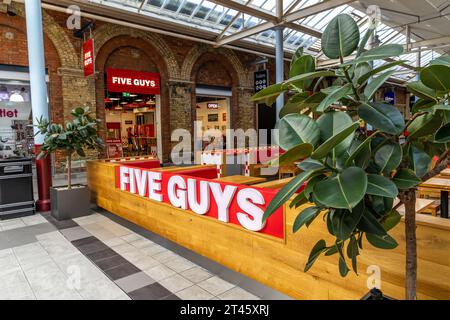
15 97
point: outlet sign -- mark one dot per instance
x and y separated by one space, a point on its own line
228 203
130 81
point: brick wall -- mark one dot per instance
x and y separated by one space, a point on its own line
182 65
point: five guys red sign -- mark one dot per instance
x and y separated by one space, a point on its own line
229 203
88 57
133 81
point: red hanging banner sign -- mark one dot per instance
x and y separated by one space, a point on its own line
88 57
133 81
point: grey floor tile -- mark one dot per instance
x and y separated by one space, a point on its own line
159 272
175 283
92 247
238 294
154 291
194 293
134 282
75 233
179 264
111 262
100 255
196 274
215 285
122 271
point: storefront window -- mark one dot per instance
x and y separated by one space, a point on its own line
132 104
16 128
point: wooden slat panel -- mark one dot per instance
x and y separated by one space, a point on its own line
279 264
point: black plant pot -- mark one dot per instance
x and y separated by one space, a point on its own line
69 204
376 294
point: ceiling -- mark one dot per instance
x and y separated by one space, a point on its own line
249 24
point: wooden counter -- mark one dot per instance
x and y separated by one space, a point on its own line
241 180
279 263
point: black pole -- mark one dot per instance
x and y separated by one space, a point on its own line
444 204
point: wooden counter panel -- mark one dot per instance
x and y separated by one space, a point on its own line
280 264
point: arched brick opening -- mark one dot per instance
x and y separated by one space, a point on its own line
214 68
114 54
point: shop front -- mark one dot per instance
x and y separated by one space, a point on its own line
133 113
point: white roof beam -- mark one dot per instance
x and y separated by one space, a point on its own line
290 18
246 9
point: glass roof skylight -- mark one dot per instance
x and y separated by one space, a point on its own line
224 21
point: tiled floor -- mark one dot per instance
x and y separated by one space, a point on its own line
103 257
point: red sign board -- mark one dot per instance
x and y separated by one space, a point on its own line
228 203
133 81
88 57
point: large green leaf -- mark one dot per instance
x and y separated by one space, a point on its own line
305 217
330 124
323 150
294 104
270 94
333 97
361 148
423 104
363 78
300 151
309 76
341 37
287 191
376 83
297 54
320 247
391 220
421 90
420 161
343 191
295 129
424 125
443 60
345 221
361 70
443 134
304 64
302 102
383 117
381 186
310 164
406 179
388 157
378 53
382 242
370 224
353 252
436 77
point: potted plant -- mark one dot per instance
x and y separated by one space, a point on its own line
81 133
352 176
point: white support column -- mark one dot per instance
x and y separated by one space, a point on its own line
279 66
39 105
279 48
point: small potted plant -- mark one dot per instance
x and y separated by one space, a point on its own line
81 133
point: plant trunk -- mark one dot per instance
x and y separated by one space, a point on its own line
69 171
411 245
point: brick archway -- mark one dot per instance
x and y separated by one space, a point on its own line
105 51
107 32
231 80
226 56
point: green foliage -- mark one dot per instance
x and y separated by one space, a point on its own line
76 136
352 178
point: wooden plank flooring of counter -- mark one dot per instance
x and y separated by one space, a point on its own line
280 264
